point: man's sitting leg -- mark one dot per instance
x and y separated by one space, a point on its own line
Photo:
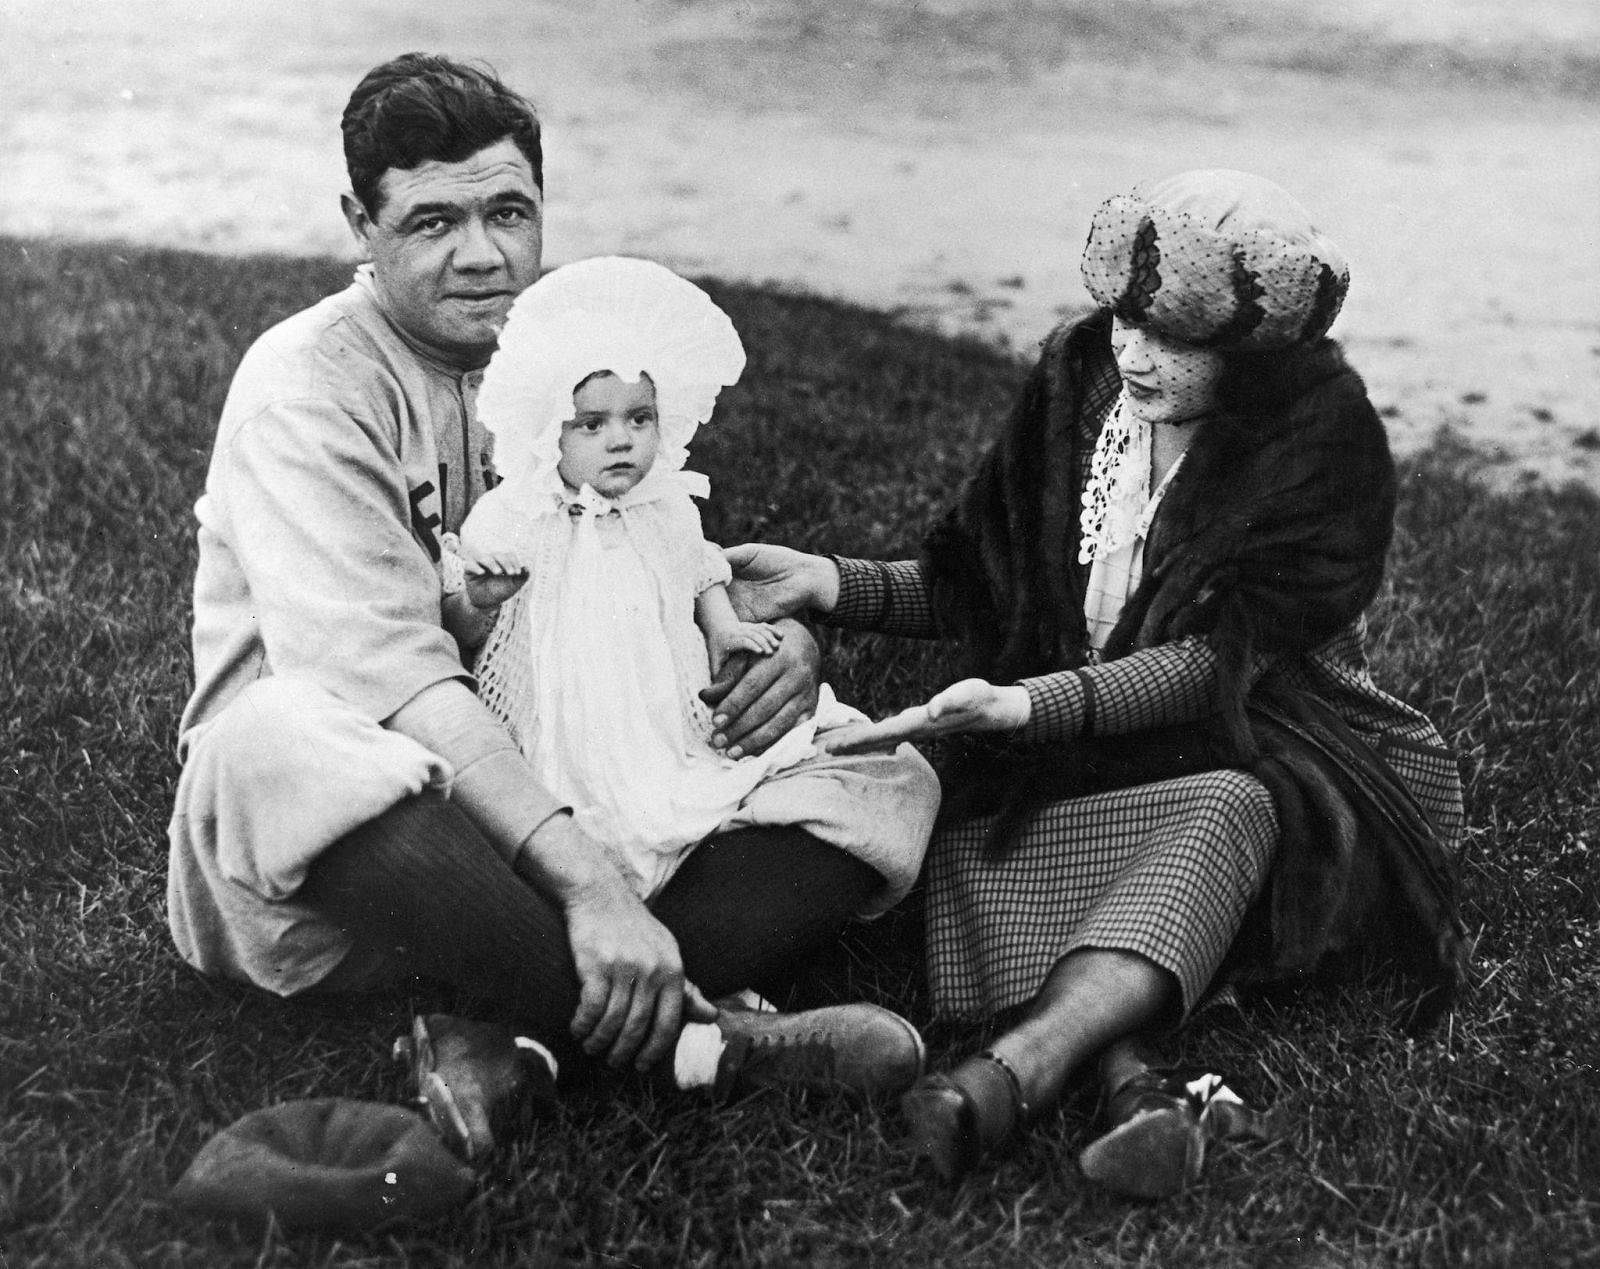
753 907
424 895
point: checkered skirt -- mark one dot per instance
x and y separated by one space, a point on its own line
1165 870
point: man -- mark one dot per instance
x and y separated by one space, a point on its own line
310 846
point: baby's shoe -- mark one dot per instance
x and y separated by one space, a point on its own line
477 1081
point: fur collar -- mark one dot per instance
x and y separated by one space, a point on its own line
1271 538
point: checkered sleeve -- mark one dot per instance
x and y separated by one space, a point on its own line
1059 706
888 598
1154 687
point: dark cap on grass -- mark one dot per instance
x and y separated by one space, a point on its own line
328 1163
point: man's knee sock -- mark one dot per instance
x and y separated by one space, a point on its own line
753 906
420 884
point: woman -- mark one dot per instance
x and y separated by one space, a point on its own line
1163 561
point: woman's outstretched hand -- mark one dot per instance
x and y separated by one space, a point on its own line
771 582
970 705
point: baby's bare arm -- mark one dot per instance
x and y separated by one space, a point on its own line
725 633
490 578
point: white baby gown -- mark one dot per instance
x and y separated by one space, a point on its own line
595 666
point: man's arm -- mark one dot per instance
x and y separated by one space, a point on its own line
313 502
633 993
346 596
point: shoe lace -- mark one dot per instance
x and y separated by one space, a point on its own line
805 1057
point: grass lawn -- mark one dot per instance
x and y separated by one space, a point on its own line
1478 1144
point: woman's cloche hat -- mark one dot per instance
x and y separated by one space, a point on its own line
1216 258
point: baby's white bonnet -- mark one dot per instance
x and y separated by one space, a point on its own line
611 313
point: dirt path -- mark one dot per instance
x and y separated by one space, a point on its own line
939 159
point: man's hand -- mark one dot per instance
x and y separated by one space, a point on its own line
970 705
755 701
633 998
770 582
489 590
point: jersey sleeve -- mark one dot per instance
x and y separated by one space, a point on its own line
345 594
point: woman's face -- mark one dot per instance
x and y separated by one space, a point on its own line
1165 379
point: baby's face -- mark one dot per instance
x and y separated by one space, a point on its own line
611 440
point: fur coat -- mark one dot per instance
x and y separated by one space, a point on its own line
1270 540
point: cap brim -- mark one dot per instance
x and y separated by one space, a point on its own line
328 1163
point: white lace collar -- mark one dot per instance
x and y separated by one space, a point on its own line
657 484
1118 487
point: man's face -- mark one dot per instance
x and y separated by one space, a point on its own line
452 245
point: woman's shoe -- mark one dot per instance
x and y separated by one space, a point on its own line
1161 1120
942 1125
1156 1145
952 1119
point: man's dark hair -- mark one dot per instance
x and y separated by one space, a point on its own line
422 108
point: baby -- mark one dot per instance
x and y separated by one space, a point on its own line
607 447
601 608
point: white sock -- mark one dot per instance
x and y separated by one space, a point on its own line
529 1045
754 1001
694 1061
